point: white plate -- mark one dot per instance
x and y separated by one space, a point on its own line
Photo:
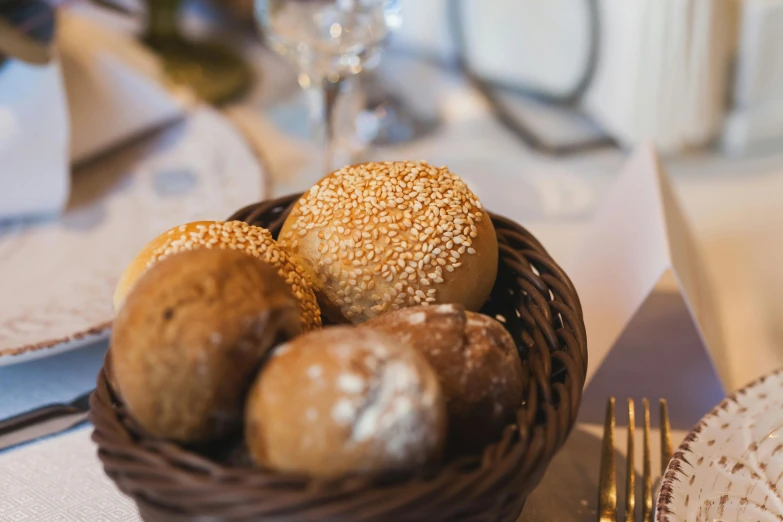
57 276
730 466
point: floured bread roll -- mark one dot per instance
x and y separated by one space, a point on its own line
344 400
378 237
477 363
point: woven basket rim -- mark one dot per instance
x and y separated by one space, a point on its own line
551 335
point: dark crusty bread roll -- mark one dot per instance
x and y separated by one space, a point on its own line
233 235
344 400
190 337
477 364
377 237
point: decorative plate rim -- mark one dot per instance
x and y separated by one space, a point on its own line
98 330
675 467
7 355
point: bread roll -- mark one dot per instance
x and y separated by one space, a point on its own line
235 235
344 400
189 339
377 237
477 363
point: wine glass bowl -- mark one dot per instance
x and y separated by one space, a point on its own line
329 41
328 38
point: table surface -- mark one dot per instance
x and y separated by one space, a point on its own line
732 205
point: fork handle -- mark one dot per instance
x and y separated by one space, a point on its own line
31 417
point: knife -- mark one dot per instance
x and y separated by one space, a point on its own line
44 421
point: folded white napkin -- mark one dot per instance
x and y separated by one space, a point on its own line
34 177
116 87
105 87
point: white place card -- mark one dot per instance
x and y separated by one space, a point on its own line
652 326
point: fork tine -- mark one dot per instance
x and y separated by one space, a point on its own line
666 437
607 481
646 467
630 469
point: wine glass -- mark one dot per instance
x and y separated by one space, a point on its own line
330 41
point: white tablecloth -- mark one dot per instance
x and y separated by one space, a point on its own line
733 205
61 479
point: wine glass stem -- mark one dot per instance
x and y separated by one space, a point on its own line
162 18
331 91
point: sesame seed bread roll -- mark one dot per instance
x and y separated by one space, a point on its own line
377 237
236 235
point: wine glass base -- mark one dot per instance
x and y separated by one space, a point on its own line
385 119
216 73
391 122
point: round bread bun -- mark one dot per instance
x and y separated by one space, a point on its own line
345 400
477 363
377 237
187 344
236 235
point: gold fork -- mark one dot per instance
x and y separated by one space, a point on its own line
607 483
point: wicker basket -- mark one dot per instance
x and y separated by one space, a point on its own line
542 312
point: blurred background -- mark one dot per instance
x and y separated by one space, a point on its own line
345 79
119 118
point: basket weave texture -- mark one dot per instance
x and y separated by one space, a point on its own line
539 307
